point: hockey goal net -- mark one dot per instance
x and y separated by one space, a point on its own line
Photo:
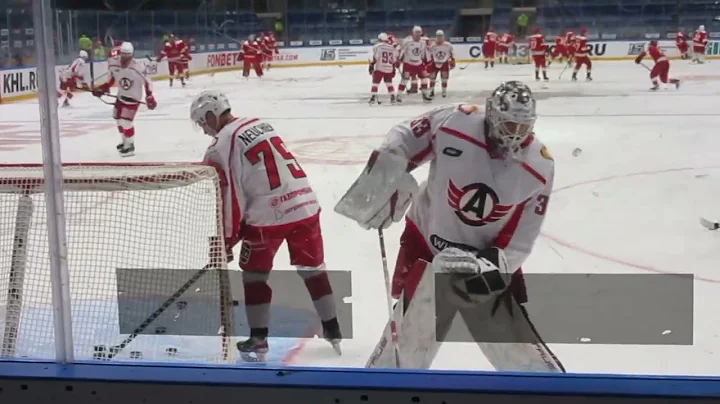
135 235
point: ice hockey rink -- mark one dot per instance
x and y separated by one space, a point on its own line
635 170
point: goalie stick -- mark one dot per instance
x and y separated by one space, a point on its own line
388 293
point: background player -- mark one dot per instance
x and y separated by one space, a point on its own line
413 53
382 68
442 60
538 51
661 68
127 73
73 77
261 178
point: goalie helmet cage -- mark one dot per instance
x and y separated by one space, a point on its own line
155 221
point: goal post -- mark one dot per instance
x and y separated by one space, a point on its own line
143 219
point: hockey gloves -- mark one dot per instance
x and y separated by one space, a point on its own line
382 193
150 101
475 279
371 69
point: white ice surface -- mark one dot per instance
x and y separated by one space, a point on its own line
623 224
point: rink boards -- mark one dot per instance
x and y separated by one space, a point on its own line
21 84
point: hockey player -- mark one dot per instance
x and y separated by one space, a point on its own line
73 77
475 218
682 45
268 200
661 68
442 60
382 68
559 51
504 44
266 50
488 48
272 46
127 73
569 47
581 56
538 50
700 41
413 53
185 59
251 57
174 50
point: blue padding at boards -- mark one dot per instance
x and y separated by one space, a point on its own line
416 380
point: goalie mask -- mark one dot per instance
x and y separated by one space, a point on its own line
510 114
206 110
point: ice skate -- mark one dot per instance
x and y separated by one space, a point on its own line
574 77
588 77
444 93
374 100
393 99
432 93
332 334
127 150
255 348
655 87
426 95
171 82
66 104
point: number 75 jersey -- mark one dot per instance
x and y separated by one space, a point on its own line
262 183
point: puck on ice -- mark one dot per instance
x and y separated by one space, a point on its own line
577 152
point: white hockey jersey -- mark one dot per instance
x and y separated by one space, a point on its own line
75 70
470 200
413 52
131 80
441 52
266 185
384 57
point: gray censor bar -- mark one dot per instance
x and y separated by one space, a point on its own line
636 309
197 311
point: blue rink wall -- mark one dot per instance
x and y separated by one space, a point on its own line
40 383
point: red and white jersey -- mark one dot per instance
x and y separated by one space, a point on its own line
657 54
265 185
114 54
173 51
559 41
130 80
537 44
491 37
569 38
440 53
581 46
75 70
700 38
471 200
506 40
680 39
251 48
264 42
384 57
413 52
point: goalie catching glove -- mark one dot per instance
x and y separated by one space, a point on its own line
382 193
475 279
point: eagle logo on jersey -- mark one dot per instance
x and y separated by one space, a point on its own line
476 204
125 83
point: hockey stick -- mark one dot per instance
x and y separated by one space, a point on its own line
115 350
709 224
563 71
645 66
388 293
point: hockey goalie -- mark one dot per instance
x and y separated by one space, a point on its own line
474 220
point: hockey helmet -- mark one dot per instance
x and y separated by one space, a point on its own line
510 114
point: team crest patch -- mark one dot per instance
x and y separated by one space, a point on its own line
546 154
476 204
